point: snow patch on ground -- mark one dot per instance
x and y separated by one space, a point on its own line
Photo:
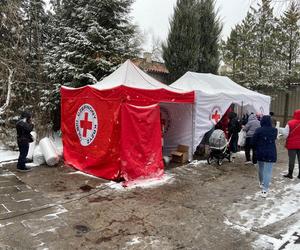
145 183
7 155
85 174
134 241
32 165
274 209
279 205
288 240
6 224
196 163
242 229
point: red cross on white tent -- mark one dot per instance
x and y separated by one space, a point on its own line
216 116
86 124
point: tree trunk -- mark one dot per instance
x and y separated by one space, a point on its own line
286 107
9 87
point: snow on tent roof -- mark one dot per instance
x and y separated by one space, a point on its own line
128 74
211 84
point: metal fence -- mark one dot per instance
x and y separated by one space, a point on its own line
278 103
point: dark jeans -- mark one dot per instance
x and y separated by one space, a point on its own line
23 148
233 143
248 147
292 157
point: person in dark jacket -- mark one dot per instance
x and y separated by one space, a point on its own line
24 126
263 141
233 131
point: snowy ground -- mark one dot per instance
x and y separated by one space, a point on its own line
7 155
257 214
191 207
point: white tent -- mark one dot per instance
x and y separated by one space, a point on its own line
214 95
176 116
128 74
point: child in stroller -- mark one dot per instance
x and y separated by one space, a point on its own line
218 147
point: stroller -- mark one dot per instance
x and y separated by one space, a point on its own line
218 147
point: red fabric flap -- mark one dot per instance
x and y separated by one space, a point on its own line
141 149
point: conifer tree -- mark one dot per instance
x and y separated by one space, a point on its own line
12 65
290 39
89 37
193 40
290 49
208 31
180 52
265 43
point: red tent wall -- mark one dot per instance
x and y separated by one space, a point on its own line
141 149
102 157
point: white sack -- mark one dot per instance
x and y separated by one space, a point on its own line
57 145
242 138
31 146
38 157
49 152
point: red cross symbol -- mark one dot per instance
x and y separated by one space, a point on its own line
216 116
85 124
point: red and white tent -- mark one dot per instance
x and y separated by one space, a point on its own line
113 129
214 95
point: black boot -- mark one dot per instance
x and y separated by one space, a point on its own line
290 176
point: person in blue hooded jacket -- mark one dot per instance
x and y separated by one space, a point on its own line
264 142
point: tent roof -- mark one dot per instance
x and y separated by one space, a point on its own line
130 83
211 84
129 75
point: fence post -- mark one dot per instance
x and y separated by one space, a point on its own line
286 108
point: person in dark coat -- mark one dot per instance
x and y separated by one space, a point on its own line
24 126
233 131
263 141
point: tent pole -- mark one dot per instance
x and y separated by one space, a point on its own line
242 109
193 128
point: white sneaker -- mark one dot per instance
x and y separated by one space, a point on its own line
248 162
264 194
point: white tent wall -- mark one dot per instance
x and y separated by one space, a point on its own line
218 92
178 126
205 104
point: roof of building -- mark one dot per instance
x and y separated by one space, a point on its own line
150 67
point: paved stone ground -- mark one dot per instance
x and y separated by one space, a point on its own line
57 208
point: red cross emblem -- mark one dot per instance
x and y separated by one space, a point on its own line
216 116
85 124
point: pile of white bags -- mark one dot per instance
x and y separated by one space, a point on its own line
49 151
31 146
45 152
38 157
